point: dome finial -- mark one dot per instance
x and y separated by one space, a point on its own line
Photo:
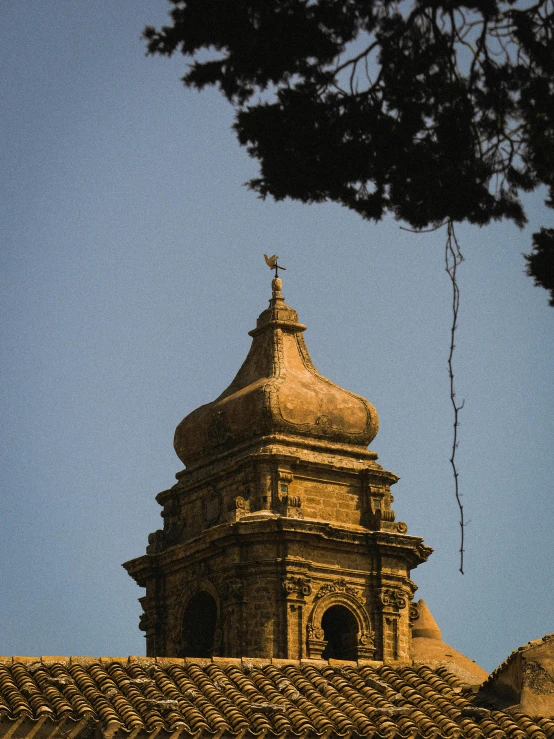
276 287
276 283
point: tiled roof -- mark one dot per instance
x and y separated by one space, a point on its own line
223 698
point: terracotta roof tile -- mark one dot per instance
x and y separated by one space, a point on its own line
240 699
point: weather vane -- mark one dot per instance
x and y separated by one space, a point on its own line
272 263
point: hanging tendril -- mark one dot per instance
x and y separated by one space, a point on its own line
453 259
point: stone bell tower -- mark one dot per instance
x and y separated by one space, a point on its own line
279 539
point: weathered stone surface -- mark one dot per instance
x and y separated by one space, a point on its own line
282 519
428 648
525 680
277 390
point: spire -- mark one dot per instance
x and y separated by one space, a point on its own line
276 391
278 310
278 314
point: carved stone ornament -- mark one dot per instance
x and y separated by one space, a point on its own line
339 586
240 506
145 622
198 570
211 505
424 552
173 531
156 542
366 639
414 612
392 598
285 476
296 585
340 593
315 632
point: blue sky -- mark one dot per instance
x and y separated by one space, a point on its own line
132 269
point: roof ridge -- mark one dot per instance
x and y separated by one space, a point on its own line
519 650
138 659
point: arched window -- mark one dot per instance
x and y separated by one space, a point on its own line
199 623
341 633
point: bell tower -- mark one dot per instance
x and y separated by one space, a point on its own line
279 539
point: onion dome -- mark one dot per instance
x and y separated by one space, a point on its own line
277 391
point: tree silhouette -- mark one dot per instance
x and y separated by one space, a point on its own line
434 110
438 111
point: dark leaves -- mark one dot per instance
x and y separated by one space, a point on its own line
540 262
430 109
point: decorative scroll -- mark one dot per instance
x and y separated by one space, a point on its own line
315 632
296 585
172 532
156 542
338 586
392 598
367 640
240 506
424 552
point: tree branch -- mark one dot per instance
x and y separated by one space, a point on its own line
453 258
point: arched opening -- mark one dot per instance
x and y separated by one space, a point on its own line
341 633
199 623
